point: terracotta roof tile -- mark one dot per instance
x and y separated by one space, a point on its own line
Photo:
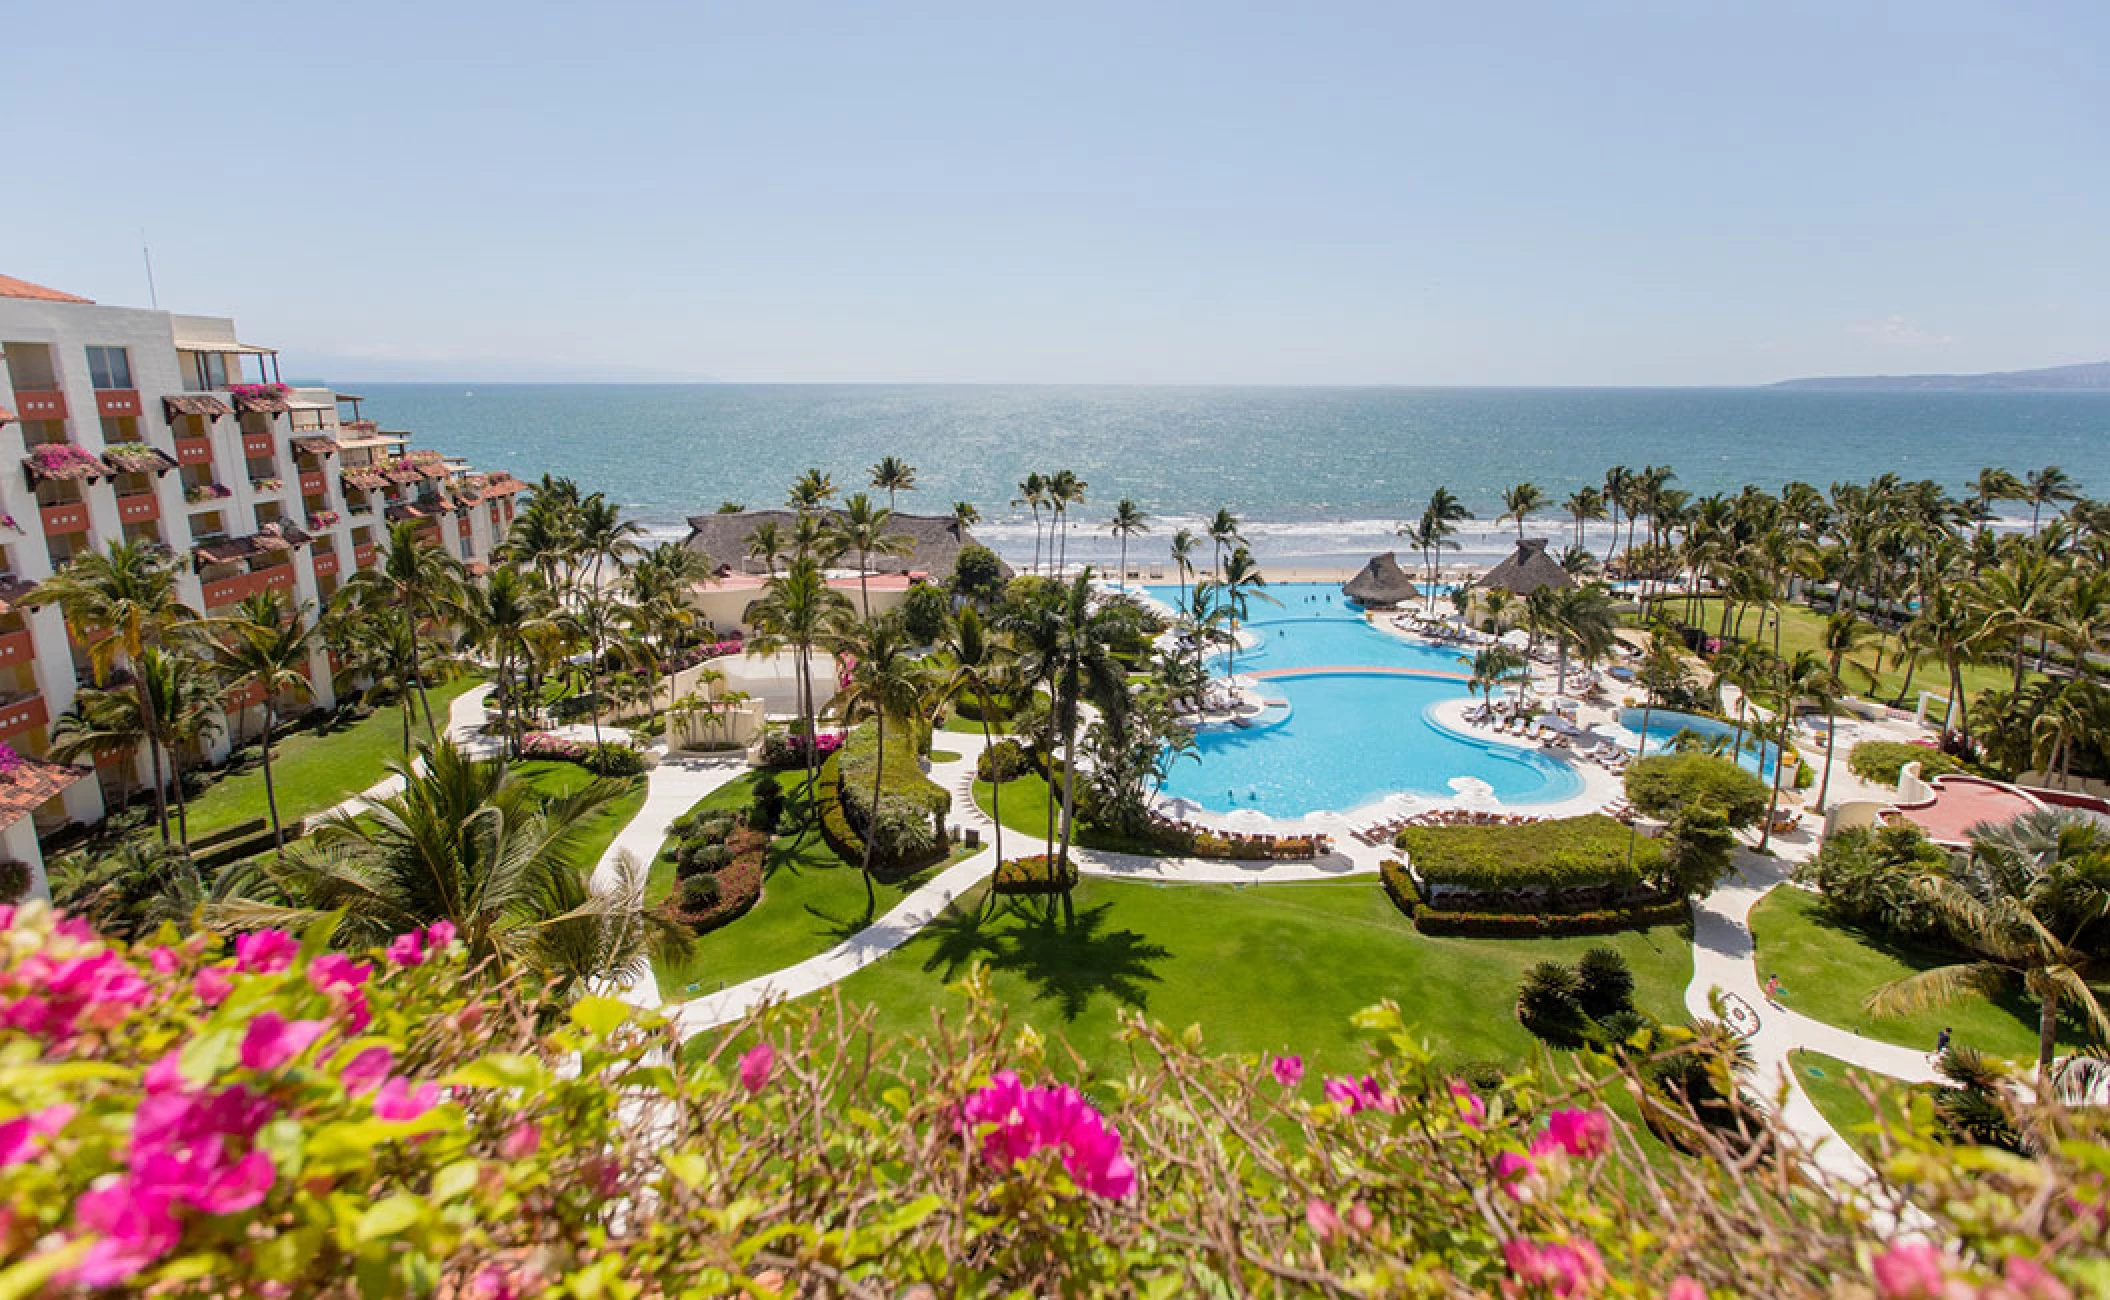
33 784
10 287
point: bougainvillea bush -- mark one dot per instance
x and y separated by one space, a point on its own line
188 1117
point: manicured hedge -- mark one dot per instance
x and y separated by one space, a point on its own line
1006 760
1572 853
1662 784
1399 885
842 834
1034 875
1881 761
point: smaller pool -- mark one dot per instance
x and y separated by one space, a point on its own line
1664 726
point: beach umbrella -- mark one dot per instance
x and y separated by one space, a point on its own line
1555 722
1516 638
1248 819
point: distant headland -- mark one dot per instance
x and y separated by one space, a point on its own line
2089 376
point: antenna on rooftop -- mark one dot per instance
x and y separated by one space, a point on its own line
148 254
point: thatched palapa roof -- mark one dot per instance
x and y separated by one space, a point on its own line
1382 582
1527 570
934 541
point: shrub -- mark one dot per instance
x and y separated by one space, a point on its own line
14 881
1662 785
1006 760
1571 853
1881 761
925 610
1869 876
767 809
1034 875
610 758
1698 850
1549 1003
695 857
1605 983
978 574
699 893
902 835
1620 1026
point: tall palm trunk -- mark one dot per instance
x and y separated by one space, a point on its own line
1765 835
872 824
1831 736
278 834
182 800
152 727
1036 539
2047 1037
1069 801
417 677
864 593
996 788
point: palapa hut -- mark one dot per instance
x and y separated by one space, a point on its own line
1382 582
1526 571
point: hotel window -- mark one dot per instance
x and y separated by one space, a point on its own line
109 368
204 370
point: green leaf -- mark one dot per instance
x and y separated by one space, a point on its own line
316 938
20 1281
389 1217
455 1180
686 1166
499 1070
205 1056
908 1216
599 1016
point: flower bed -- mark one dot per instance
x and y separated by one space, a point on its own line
1034 875
1571 853
134 457
203 492
783 750
609 758
739 883
267 484
323 520
1635 913
1881 761
697 654
63 459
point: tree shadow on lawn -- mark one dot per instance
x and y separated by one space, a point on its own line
1919 956
1067 956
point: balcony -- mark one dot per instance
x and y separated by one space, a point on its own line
325 565
194 451
363 554
229 591
261 445
114 403
40 404
313 483
16 648
71 517
21 713
138 508
244 697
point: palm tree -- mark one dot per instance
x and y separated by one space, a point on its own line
1242 581
964 517
1582 618
2048 486
1183 543
186 704
979 662
2028 903
1802 678
864 528
1065 489
1223 532
2019 599
468 843
1994 485
267 651
1493 667
593 618
887 682
504 615
1518 502
800 612
811 492
1033 494
425 583
1618 490
1068 644
893 475
1128 521
118 603
1584 505
766 543
604 535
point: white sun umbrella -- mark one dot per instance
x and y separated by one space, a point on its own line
1248 819
1555 722
1516 638
1179 810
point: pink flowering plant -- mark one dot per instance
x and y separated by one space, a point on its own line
198 1116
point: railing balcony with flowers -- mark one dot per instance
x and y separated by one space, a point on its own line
199 494
323 521
63 460
268 484
138 458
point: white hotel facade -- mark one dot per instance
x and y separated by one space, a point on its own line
125 423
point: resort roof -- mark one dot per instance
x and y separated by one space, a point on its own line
32 784
1527 570
1382 582
10 287
934 541
212 408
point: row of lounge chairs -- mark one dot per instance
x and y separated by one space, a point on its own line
1381 833
1246 846
1608 756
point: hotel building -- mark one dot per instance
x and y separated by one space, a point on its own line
125 423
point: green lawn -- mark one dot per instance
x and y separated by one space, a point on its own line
600 829
1827 968
1802 628
316 768
1835 1086
1025 803
1259 968
811 901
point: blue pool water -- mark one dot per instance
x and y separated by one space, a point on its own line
1663 727
1350 738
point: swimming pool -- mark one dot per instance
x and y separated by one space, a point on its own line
1353 735
1664 726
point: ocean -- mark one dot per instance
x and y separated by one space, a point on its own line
1322 476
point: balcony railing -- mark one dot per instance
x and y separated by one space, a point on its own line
116 403
21 713
313 483
71 517
261 445
228 591
363 554
138 508
194 451
16 648
40 404
325 561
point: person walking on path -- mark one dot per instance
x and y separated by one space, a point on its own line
1773 990
1941 1043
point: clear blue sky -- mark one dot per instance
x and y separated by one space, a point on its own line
1560 193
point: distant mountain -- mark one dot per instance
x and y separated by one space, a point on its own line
2090 376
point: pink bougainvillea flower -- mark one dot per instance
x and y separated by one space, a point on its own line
212 985
86 991
1024 1120
1909 1270
1586 1134
22 1138
1562 1268
131 1231
407 949
399 1100
264 952
1684 1288
238 1187
1362 1094
165 961
164 1075
1512 1172
439 935
755 1067
1325 1224
1288 1070
365 1071
521 1141
1471 1109
272 1040
2026 1279
336 974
